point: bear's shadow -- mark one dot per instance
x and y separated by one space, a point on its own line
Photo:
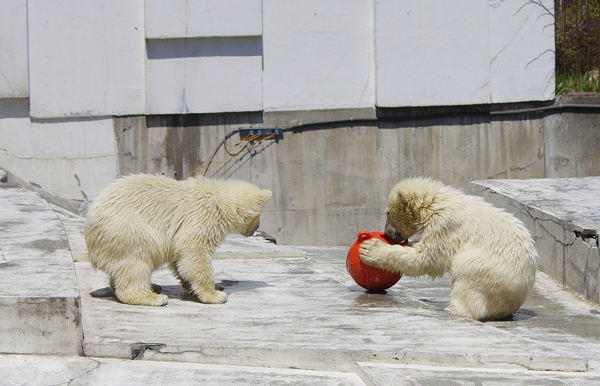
177 292
520 315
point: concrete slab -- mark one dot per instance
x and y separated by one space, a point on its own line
201 18
307 313
40 370
516 73
204 75
407 55
39 297
314 47
294 316
14 82
395 375
106 52
564 216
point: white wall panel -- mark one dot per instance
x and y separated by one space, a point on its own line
432 52
204 75
202 18
318 54
86 58
14 80
522 50
75 158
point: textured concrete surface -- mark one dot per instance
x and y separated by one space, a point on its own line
298 318
564 216
395 375
76 371
40 309
307 313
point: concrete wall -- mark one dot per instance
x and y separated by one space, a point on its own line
73 157
203 56
65 63
92 90
317 55
86 58
13 49
332 180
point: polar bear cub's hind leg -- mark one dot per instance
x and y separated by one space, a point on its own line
471 299
132 285
196 275
466 300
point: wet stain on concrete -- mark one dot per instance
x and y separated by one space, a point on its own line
232 286
48 245
8 264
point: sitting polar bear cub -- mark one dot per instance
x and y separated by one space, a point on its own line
143 221
489 253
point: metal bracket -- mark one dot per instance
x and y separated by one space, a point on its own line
261 133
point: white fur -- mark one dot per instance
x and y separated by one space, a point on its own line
489 253
143 221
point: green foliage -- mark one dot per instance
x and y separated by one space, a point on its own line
587 82
577 26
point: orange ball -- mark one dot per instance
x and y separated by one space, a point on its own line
371 278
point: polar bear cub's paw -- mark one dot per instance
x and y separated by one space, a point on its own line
144 299
158 300
214 297
371 252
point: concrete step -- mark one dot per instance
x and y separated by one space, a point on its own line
39 298
308 314
397 375
563 215
27 370
293 315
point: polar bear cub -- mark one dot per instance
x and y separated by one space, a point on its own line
143 221
489 253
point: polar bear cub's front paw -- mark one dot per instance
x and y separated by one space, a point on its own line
371 252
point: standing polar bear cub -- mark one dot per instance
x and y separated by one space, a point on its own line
489 253
141 222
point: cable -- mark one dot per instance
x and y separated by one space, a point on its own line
265 138
447 114
213 159
227 136
248 146
559 107
231 152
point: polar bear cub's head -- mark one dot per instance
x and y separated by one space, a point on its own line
410 204
246 202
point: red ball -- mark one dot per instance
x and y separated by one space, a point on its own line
371 278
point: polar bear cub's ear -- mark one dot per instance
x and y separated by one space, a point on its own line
398 198
264 196
402 196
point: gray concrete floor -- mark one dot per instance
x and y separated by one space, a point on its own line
294 316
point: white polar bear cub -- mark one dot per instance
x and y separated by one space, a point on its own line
489 253
143 221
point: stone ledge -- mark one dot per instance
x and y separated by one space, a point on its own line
563 215
388 375
329 360
40 305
